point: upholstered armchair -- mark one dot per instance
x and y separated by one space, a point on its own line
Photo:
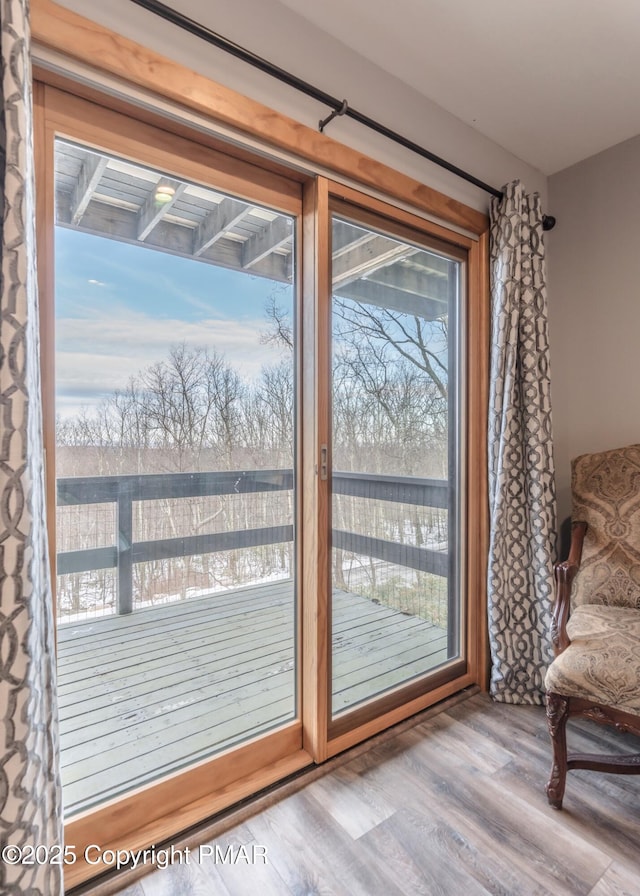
596 617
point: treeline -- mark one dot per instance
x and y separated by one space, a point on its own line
193 411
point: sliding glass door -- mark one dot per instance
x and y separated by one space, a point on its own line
175 457
396 554
257 500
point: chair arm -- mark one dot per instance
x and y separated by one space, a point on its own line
564 574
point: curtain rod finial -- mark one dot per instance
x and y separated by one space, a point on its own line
548 222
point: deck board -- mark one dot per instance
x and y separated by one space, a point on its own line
144 694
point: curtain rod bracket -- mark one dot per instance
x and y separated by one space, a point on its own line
344 108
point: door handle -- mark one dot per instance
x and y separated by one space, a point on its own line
324 462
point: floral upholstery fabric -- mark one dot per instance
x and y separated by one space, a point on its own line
606 495
602 663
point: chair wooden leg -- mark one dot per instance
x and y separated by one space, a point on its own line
557 715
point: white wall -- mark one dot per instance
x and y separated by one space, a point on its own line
273 31
594 276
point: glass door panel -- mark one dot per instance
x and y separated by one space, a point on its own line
395 463
175 422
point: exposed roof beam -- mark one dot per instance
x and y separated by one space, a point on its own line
152 212
420 282
88 179
263 243
121 224
434 264
346 236
274 266
367 257
220 219
383 296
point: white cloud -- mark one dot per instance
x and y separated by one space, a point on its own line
98 354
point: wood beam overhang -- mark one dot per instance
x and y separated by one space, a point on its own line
366 257
121 224
275 235
89 178
219 220
393 299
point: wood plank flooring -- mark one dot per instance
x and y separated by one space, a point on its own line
454 805
144 694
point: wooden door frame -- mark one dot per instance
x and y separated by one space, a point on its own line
154 812
406 201
410 698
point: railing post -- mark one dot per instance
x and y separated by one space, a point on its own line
124 541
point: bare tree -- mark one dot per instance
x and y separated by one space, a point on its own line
373 331
280 328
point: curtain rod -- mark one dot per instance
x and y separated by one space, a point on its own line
340 107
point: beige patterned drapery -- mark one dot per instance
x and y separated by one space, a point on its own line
30 797
521 470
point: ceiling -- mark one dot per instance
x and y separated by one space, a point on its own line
552 81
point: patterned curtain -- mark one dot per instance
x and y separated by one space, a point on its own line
521 471
30 798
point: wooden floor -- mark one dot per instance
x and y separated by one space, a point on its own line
144 694
453 806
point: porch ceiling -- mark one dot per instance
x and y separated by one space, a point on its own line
103 195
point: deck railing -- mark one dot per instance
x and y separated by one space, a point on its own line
123 491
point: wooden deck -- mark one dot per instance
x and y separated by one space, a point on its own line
147 693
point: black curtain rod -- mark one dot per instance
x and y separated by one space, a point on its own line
340 107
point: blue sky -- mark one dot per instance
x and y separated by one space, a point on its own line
120 307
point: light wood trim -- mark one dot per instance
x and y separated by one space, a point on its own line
400 713
400 702
374 212
478 337
402 695
45 213
80 39
299 459
317 583
94 125
159 119
163 809
419 232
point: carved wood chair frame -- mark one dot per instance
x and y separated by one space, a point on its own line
560 708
